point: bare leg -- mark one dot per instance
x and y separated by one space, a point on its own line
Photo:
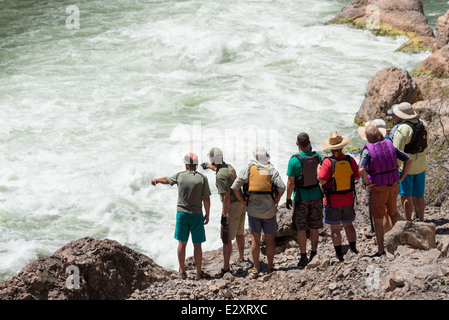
336 234
420 204
407 205
350 232
182 256
314 237
379 230
227 250
255 248
269 239
336 239
387 223
198 257
302 241
240 239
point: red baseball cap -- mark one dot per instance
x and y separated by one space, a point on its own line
190 158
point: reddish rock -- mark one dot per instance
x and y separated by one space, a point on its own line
390 18
404 17
84 269
419 235
388 86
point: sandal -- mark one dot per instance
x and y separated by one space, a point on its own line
253 272
377 254
221 273
183 275
270 270
203 275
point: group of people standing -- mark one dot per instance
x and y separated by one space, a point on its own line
323 191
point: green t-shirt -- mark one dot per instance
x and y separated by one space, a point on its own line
192 187
224 178
294 170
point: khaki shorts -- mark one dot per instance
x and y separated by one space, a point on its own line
236 219
381 198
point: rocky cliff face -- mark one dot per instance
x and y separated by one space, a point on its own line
386 88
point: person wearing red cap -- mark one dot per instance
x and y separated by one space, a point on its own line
193 194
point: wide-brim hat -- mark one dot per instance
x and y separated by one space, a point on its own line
335 141
403 110
378 123
260 154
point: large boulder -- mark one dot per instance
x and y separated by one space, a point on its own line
388 86
419 235
390 18
284 219
85 269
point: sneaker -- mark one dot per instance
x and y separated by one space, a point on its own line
377 254
203 275
340 258
303 262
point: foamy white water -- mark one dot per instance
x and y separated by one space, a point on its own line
89 116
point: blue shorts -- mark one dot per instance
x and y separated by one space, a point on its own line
187 223
268 226
413 185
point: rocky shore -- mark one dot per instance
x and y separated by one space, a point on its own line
416 266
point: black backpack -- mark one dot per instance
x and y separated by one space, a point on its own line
308 175
418 143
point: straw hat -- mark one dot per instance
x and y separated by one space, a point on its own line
335 141
378 123
403 110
